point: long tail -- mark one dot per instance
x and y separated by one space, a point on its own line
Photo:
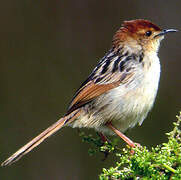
41 137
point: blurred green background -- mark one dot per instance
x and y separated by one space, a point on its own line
47 48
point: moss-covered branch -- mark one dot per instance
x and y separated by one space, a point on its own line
162 162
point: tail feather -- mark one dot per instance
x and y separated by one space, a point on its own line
41 137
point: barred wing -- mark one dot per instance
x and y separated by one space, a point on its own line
113 70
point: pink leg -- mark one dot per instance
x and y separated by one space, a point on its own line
121 135
103 138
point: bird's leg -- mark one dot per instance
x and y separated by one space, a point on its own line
103 137
121 135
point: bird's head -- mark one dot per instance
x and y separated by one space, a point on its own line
140 35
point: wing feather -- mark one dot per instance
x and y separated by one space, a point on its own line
101 81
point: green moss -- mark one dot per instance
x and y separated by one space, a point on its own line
162 162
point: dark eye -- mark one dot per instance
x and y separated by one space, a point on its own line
148 33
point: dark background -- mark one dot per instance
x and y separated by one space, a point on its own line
47 48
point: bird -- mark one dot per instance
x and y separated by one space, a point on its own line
121 89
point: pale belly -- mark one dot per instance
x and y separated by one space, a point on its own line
124 106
